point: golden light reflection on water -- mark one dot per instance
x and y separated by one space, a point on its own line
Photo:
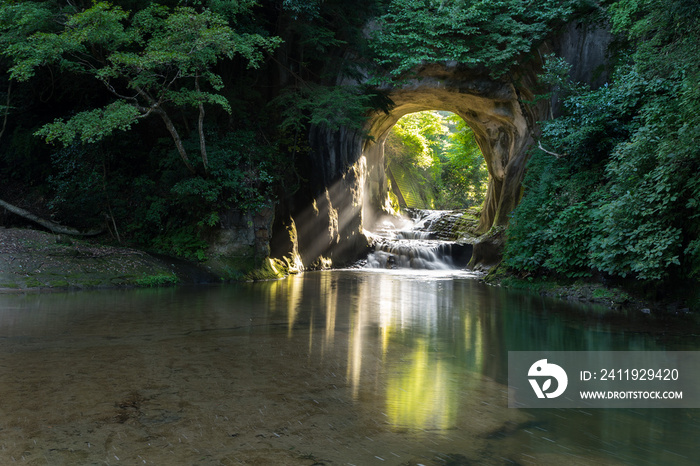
418 382
473 342
422 395
294 291
285 296
355 353
329 293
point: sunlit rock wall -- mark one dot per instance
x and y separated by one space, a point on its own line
328 213
501 125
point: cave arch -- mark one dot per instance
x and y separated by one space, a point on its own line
347 181
346 184
492 108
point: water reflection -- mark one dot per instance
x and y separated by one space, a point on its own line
420 394
434 339
342 366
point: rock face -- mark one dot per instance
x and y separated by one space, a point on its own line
502 127
241 243
347 181
585 49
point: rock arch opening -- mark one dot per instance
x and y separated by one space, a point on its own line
347 184
348 187
432 161
492 109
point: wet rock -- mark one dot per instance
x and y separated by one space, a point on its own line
487 251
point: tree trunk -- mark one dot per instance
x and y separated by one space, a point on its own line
202 143
54 227
7 110
178 142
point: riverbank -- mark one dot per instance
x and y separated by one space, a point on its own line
32 260
615 297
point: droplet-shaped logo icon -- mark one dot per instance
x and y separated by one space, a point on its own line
544 371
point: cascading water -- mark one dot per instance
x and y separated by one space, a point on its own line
413 244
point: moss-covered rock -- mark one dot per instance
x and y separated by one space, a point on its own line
488 250
271 269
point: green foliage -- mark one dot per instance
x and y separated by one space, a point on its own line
436 161
622 198
530 235
148 61
332 107
493 34
243 174
416 139
302 9
19 20
183 242
464 173
92 125
411 152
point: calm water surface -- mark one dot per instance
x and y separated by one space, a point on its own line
342 367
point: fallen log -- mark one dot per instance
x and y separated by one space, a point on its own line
48 224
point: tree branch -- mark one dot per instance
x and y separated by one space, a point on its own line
145 95
539 144
176 138
111 89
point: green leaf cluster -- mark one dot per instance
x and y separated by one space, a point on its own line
622 196
476 33
91 126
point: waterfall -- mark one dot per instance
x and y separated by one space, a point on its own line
413 244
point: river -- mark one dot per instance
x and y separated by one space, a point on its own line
363 367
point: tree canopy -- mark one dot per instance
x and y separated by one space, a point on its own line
149 60
493 35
